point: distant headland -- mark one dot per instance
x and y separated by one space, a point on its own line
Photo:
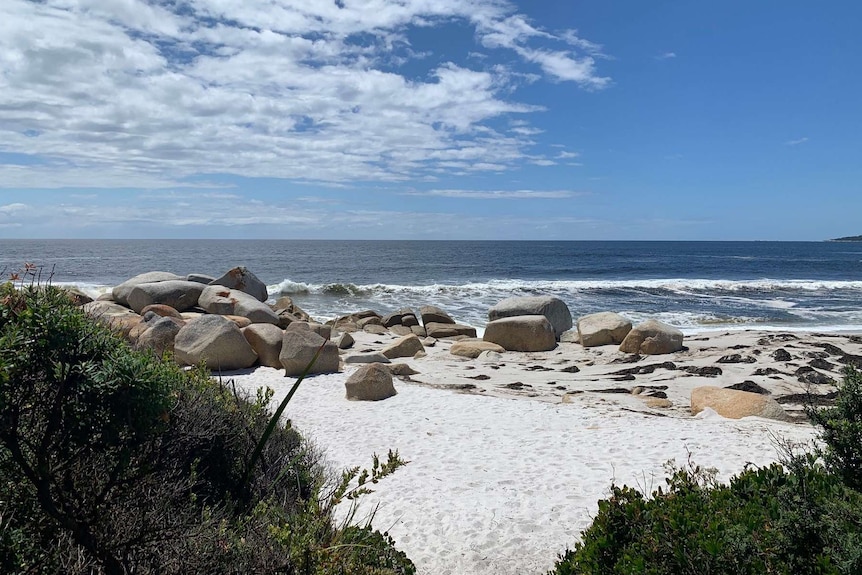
848 239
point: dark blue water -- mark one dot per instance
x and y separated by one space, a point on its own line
694 285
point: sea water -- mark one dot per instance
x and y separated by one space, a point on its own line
693 285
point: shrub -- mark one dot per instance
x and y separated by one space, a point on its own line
113 461
800 518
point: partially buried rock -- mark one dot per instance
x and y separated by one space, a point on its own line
373 357
735 404
521 333
474 348
345 341
603 328
781 354
240 279
551 307
652 337
441 330
433 314
298 349
265 339
216 341
372 382
406 346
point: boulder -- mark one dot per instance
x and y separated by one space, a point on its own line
320 329
401 369
405 346
604 328
224 301
652 337
122 291
106 310
200 278
522 333
409 320
345 341
216 341
297 351
240 321
473 348
371 320
433 314
285 304
240 279
160 335
162 310
553 308
371 382
375 329
265 339
179 294
419 330
400 330
735 404
77 296
440 330
375 357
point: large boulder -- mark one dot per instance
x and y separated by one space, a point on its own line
441 330
224 301
652 337
285 306
604 328
735 404
178 294
160 335
297 351
216 341
121 292
106 310
522 333
371 382
473 348
240 279
433 314
406 346
162 310
553 308
265 339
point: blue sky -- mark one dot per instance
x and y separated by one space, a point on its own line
443 119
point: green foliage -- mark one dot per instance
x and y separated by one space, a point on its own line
113 461
841 429
801 518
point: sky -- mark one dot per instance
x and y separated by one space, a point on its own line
431 119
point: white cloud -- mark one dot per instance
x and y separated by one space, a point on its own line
666 56
499 194
139 94
568 155
795 142
12 209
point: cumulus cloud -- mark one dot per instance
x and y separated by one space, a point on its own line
140 94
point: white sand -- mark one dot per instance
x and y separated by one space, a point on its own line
500 482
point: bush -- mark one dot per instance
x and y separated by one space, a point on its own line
113 461
800 518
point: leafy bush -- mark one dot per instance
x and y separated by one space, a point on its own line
113 461
801 518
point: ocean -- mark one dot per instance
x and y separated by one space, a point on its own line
696 286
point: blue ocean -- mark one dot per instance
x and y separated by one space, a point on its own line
695 286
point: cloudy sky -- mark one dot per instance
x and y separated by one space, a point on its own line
431 119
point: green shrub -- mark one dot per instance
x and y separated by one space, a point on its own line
801 518
114 461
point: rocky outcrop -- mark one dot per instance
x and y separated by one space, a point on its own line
604 328
216 341
551 307
265 339
406 346
522 333
297 351
652 337
178 294
241 279
735 404
372 382
121 292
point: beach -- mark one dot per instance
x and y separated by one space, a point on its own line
509 455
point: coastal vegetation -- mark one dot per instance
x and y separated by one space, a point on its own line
114 461
848 239
802 517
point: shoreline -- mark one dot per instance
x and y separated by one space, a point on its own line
503 477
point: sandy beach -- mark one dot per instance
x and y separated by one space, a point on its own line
509 454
